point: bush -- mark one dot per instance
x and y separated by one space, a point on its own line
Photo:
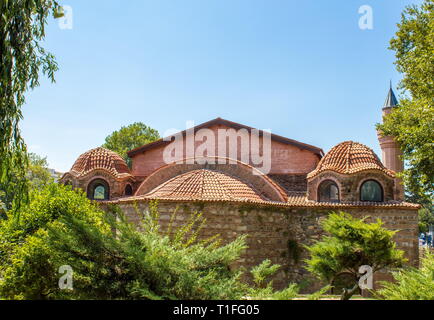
263 289
61 227
411 283
114 259
147 264
350 244
28 266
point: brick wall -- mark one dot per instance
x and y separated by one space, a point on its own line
279 234
285 158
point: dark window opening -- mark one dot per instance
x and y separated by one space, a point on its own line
328 191
371 191
98 190
128 190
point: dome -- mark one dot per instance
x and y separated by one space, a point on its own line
350 157
205 185
100 159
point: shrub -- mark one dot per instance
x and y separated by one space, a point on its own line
114 259
351 243
411 283
28 268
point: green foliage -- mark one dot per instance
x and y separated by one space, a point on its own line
22 29
146 263
411 283
61 227
28 266
318 294
294 250
268 293
426 219
412 124
114 259
38 173
130 137
263 289
263 271
37 176
351 243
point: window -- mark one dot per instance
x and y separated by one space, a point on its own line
99 193
128 190
371 191
98 190
328 191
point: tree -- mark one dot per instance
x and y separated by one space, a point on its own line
38 173
130 137
37 176
22 29
350 244
426 219
411 283
28 268
412 123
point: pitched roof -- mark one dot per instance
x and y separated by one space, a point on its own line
350 157
230 124
204 184
391 100
100 159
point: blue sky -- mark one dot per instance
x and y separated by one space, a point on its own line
303 69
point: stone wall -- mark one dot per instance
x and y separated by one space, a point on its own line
349 185
279 234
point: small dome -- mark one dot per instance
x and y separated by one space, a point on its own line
100 158
204 184
350 157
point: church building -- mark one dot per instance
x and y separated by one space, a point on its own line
274 189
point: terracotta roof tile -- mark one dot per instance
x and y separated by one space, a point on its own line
204 184
350 157
295 200
102 159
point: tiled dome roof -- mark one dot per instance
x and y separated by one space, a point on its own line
204 185
100 158
350 157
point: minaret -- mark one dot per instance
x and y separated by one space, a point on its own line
391 152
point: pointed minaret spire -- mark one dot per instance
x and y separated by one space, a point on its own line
391 152
391 100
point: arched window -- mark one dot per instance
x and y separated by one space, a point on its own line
328 191
371 190
128 190
98 190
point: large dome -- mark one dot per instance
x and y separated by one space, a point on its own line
206 185
350 157
100 159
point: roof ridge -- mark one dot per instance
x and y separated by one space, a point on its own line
348 156
276 137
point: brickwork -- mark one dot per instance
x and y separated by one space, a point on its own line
280 234
286 158
349 185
